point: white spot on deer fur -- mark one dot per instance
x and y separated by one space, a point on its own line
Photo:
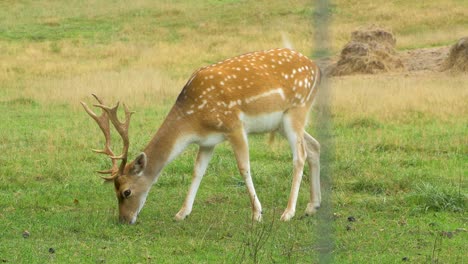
278 91
286 76
189 112
294 71
232 104
202 105
220 123
222 83
300 83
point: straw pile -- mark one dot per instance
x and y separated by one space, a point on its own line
457 60
369 51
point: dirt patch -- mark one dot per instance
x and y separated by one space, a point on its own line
457 59
427 59
370 51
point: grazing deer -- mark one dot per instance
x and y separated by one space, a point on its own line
264 91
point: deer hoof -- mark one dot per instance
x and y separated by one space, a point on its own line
311 209
180 217
287 215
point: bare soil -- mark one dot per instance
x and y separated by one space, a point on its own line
427 59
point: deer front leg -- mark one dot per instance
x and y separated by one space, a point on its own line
238 140
203 158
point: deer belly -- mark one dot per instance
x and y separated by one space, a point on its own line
262 123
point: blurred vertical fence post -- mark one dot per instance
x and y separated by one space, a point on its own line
323 124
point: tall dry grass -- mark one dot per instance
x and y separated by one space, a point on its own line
393 96
160 43
138 87
386 97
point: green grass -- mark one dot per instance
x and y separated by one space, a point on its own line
48 188
400 141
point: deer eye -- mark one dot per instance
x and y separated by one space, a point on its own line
127 193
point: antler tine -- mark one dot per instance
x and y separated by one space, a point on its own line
97 98
103 123
121 127
113 172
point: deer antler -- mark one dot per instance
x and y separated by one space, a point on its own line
122 128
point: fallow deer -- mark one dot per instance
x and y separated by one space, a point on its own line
258 92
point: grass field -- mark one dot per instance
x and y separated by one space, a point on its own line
400 141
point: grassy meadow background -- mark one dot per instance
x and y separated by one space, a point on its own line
399 188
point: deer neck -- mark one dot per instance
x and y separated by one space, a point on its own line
170 140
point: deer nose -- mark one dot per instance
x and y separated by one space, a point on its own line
127 220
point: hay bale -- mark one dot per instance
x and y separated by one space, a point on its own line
369 51
374 35
457 60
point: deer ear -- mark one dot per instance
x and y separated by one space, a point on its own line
139 164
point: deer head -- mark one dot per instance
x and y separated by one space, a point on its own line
130 187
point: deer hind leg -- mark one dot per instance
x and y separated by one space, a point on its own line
203 158
238 140
313 159
293 130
